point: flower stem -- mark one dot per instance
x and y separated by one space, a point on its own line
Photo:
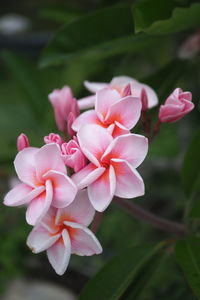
156 221
146 123
155 130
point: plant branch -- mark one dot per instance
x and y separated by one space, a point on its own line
157 221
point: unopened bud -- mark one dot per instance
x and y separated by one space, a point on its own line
144 100
22 142
127 90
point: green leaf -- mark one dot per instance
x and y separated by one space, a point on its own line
147 12
145 276
182 18
190 170
28 79
188 256
60 13
194 208
101 34
119 274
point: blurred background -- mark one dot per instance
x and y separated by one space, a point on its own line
25 29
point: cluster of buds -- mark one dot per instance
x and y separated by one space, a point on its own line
69 178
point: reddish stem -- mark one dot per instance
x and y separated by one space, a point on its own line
156 130
146 122
157 221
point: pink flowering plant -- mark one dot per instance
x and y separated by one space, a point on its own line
102 157
71 178
106 173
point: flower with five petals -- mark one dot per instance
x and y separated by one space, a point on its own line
44 182
63 232
119 84
112 168
113 112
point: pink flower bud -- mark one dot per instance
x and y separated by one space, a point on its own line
63 104
190 47
127 90
71 119
53 138
72 155
177 105
144 100
22 142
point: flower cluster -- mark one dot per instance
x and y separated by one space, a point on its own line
65 181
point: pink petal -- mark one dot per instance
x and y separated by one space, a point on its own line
64 189
88 117
126 111
129 183
80 210
94 86
86 102
83 241
62 101
119 129
122 81
53 138
130 147
40 239
111 129
73 156
70 120
127 91
170 112
22 142
136 88
39 205
144 100
59 254
94 140
48 221
151 95
101 191
48 158
104 99
25 166
87 175
186 96
188 106
22 194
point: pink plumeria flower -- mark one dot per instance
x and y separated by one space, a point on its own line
190 47
73 155
112 167
113 112
118 83
44 182
22 142
63 232
177 105
65 108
